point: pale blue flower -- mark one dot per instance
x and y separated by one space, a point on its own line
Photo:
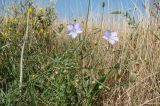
111 37
74 30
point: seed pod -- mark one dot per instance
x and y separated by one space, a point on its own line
103 4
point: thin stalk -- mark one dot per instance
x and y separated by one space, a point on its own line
145 103
102 20
87 18
22 53
83 45
103 6
88 12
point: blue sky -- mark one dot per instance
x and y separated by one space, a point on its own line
70 9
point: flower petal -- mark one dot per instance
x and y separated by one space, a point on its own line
111 41
111 37
113 33
115 38
105 37
77 26
108 33
70 27
79 31
73 34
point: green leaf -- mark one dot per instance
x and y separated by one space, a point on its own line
32 94
100 81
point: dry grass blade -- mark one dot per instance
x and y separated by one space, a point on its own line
22 53
145 103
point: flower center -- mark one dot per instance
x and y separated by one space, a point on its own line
74 30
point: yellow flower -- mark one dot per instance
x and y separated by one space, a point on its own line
41 9
5 35
8 20
30 10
